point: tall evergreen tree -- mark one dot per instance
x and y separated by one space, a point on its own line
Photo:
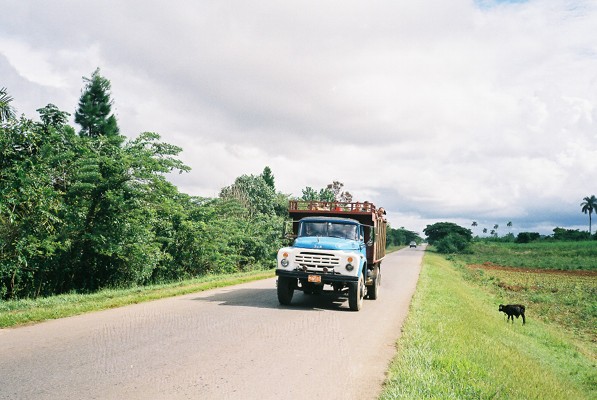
268 177
95 107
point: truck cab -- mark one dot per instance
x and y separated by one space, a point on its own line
334 244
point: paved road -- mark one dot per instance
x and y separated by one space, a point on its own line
230 343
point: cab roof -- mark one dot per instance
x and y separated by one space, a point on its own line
330 219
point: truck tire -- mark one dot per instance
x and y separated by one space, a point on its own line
355 294
285 290
373 290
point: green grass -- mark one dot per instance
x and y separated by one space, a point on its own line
545 255
535 275
455 345
568 301
20 312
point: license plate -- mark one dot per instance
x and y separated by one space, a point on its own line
314 278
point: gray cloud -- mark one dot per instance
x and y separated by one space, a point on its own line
436 110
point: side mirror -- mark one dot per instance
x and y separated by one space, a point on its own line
287 232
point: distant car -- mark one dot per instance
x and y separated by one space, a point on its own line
412 244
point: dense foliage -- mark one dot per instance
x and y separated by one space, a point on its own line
527 237
573 235
80 212
448 237
332 192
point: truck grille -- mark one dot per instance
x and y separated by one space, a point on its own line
317 260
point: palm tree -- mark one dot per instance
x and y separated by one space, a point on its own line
588 206
6 110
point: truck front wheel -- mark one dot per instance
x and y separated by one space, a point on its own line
355 294
373 290
285 289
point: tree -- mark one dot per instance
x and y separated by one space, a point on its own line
35 165
588 206
331 193
527 237
50 115
253 193
326 195
336 189
570 235
6 110
268 177
310 194
440 230
95 107
111 207
494 231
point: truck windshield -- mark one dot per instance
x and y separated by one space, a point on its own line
331 229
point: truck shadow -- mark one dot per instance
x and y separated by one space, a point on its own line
267 298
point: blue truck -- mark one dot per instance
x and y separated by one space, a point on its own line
336 244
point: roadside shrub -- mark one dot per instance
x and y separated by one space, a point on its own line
527 237
570 234
452 243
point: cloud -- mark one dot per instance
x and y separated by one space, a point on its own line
459 110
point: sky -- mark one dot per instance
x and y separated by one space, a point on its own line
436 110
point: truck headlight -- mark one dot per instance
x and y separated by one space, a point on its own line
284 262
349 267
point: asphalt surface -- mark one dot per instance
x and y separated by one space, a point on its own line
230 343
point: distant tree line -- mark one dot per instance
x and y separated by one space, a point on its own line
588 206
450 238
559 234
401 236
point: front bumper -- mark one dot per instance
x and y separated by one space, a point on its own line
325 278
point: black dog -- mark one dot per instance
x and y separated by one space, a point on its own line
513 310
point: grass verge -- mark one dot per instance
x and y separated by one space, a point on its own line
541 255
455 345
20 312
